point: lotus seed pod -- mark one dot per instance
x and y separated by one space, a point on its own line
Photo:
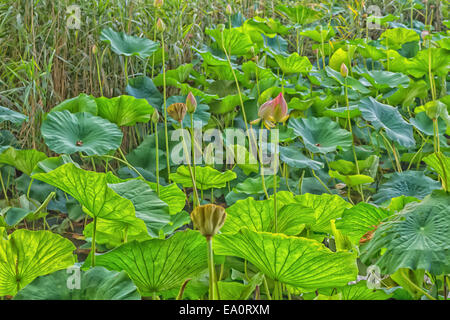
191 103
177 111
344 70
155 117
160 26
158 3
208 219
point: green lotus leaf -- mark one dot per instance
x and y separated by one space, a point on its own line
7 139
425 124
14 117
259 216
124 110
407 96
158 265
345 167
341 56
358 291
267 26
416 238
153 211
82 103
127 45
436 59
360 219
66 132
298 262
351 179
398 203
30 254
205 177
381 79
144 156
343 112
294 63
95 284
232 290
227 104
321 135
319 34
396 37
143 88
172 195
325 207
253 185
383 116
234 41
441 164
13 216
349 81
299 14
52 163
243 158
22 160
212 57
112 233
408 183
91 190
294 157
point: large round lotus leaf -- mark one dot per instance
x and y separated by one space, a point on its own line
383 116
381 79
205 177
124 110
299 14
22 160
293 63
407 183
436 59
416 238
30 254
113 233
394 38
441 164
153 211
158 265
294 157
358 220
234 41
259 216
82 103
91 190
7 139
321 135
358 291
144 156
144 88
299 262
66 132
425 124
124 44
12 116
95 284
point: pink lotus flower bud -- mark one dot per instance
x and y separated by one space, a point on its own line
229 10
191 103
160 26
344 70
273 111
425 33
158 3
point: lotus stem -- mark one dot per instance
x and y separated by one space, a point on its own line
275 211
157 158
165 108
261 163
266 288
94 233
212 272
193 142
194 185
5 191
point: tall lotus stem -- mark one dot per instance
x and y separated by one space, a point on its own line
94 233
208 219
155 118
344 73
160 26
275 211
